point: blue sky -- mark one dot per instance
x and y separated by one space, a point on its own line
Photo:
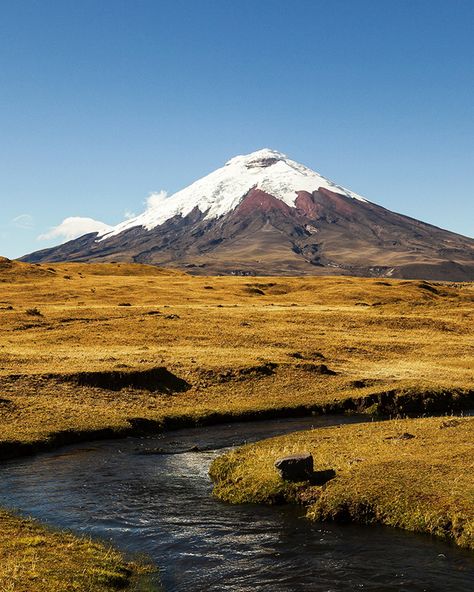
105 101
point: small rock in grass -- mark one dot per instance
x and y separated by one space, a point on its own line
297 467
449 423
404 436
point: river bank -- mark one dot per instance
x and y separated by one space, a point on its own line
152 495
34 557
93 351
413 474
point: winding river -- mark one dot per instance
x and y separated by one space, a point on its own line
161 505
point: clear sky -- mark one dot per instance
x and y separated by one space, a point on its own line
105 101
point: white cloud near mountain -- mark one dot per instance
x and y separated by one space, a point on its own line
155 199
73 227
76 226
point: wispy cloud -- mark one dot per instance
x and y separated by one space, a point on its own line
24 221
73 227
154 200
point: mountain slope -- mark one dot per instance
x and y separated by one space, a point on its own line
265 214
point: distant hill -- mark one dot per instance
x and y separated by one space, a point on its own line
18 269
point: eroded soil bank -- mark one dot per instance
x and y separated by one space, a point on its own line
90 389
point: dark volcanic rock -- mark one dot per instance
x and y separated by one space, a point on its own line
298 467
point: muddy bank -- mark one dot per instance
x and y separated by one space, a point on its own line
158 379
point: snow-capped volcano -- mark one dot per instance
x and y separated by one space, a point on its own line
220 192
265 214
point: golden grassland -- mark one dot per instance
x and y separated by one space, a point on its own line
219 334
72 334
414 474
33 557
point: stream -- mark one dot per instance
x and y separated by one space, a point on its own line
161 505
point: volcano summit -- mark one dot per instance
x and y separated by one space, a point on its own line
264 214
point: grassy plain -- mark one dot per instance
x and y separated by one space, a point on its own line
82 347
414 474
241 344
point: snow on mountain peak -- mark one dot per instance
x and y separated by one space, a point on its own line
222 190
264 157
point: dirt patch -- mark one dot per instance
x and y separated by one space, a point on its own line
211 376
362 383
6 404
279 290
428 287
317 369
314 355
157 379
449 423
263 286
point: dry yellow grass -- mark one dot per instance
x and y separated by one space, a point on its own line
414 474
377 336
243 345
34 558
